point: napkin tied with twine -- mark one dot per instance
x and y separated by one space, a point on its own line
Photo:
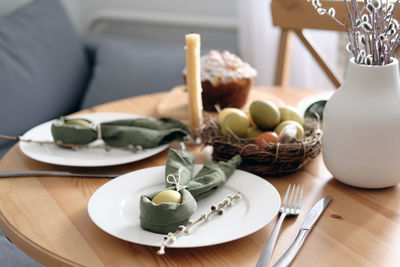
166 217
143 132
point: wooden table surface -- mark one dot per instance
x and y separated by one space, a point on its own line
47 217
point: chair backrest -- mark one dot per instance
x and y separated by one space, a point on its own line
292 16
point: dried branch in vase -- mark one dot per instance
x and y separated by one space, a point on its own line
373 31
215 209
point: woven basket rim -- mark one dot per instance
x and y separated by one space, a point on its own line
273 159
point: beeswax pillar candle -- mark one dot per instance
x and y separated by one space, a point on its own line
193 80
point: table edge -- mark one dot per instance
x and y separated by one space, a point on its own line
47 258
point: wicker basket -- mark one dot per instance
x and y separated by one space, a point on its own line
272 159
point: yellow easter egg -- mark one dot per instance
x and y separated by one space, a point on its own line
171 196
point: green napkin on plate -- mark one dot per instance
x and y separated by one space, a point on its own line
180 165
211 177
166 217
73 131
144 132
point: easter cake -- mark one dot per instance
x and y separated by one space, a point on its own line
226 80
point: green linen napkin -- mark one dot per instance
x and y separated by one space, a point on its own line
143 132
73 131
180 165
166 217
211 177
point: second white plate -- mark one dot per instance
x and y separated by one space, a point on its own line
85 157
114 207
307 101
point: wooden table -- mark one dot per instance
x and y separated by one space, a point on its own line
47 217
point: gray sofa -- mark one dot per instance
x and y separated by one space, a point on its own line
47 70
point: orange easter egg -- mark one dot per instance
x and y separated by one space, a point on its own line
265 138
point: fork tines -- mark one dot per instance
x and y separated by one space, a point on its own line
295 195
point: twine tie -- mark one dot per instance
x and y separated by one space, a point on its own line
176 182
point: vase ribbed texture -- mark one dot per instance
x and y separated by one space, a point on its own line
361 142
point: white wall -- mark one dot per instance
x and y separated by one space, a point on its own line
188 12
81 11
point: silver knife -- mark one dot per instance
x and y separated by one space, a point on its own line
30 173
311 218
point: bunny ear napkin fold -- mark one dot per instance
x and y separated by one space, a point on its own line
144 132
166 217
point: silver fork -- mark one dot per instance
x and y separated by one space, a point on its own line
289 207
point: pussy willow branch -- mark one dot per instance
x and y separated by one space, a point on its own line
394 8
387 29
359 12
72 146
353 40
373 32
218 209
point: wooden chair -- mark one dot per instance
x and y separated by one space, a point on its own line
292 16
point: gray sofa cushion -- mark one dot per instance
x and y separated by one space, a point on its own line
43 66
125 68
11 256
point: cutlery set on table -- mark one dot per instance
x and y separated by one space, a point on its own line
291 206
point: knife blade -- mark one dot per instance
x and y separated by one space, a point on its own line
311 218
31 173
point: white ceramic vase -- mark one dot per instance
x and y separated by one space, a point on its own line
361 125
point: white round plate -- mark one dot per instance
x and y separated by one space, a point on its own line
114 207
84 157
307 101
